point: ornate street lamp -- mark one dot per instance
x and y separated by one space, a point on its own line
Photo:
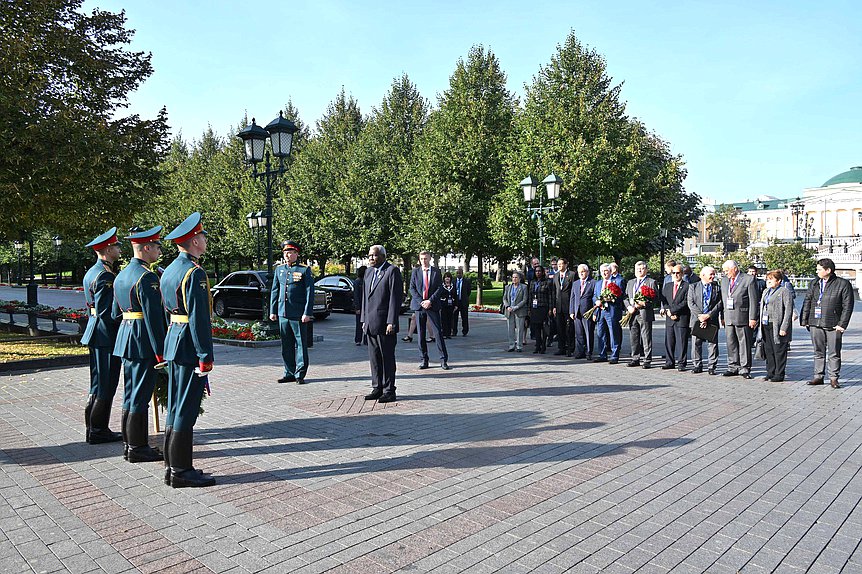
797 208
530 186
58 241
19 247
251 220
280 133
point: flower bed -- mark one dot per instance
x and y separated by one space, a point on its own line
484 309
239 331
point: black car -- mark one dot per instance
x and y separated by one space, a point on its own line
246 291
340 287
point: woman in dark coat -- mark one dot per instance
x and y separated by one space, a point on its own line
540 305
776 322
449 305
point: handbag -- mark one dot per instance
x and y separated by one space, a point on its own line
759 351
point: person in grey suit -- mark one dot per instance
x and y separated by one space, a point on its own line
704 302
740 310
826 314
643 315
776 324
515 307
381 304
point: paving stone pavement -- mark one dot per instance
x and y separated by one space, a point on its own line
510 462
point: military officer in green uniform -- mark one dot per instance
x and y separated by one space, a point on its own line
188 350
140 340
292 302
100 336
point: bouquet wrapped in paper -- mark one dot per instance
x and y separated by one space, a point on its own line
644 295
607 297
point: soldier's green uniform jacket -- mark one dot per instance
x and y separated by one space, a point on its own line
138 302
186 297
101 328
292 294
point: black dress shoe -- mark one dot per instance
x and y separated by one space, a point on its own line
423 365
510 350
287 379
560 353
145 454
101 436
682 369
697 370
387 399
300 381
408 338
536 351
579 357
613 361
600 360
834 384
777 380
431 340
746 376
374 395
729 374
445 366
646 366
569 354
633 364
666 367
767 379
815 381
711 371
191 478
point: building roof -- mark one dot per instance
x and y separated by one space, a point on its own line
853 175
760 205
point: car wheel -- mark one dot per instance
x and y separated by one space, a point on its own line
220 308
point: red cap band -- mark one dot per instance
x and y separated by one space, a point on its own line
197 229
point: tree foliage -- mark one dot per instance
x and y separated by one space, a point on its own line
620 180
795 258
65 147
726 226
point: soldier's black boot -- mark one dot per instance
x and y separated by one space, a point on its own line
168 432
123 431
183 474
99 431
87 410
139 440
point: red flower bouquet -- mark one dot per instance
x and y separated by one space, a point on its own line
645 295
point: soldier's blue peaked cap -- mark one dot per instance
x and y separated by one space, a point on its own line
151 235
107 238
190 227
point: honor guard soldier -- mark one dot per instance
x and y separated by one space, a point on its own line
188 350
140 340
292 302
100 336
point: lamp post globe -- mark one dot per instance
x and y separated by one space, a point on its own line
19 247
529 185
58 241
254 137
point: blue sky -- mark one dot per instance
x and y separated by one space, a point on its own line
760 97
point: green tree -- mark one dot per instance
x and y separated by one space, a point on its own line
619 180
65 147
726 226
317 209
793 257
460 161
378 175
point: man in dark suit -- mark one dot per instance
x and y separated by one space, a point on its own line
463 287
426 284
562 292
826 314
676 327
381 305
643 315
580 302
704 302
741 308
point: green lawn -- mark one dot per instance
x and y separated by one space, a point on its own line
491 297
